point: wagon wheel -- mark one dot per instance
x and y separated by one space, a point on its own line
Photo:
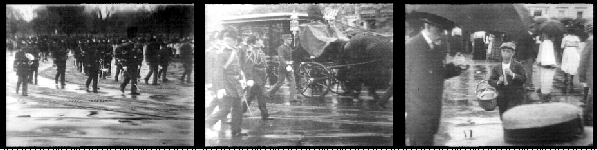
313 80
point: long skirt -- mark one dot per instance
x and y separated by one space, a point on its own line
570 60
546 75
546 54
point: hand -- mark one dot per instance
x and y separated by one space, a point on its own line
509 72
221 93
250 83
243 83
288 68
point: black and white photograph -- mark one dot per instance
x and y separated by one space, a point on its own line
498 75
100 75
299 75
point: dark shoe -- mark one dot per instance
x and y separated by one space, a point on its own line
135 93
95 91
122 89
165 80
155 84
146 81
24 94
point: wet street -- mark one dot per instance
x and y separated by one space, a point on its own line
52 115
335 121
462 115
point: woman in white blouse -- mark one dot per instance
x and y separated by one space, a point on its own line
571 57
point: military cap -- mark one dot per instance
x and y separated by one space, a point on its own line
544 125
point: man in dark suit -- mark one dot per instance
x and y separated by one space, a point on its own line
508 79
526 54
425 75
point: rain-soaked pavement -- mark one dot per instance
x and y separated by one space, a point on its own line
336 121
71 116
461 113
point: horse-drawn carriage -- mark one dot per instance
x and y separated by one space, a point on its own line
321 55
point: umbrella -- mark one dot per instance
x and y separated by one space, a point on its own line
552 27
513 19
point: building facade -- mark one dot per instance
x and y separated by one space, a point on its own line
560 11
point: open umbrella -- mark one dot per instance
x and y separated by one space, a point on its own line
552 27
513 19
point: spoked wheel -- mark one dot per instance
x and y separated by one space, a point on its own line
313 80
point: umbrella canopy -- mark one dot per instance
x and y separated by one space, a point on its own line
552 27
513 19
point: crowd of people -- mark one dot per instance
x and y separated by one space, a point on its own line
425 80
94 56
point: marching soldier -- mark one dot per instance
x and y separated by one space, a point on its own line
130 65
255 71
187 60
151 54
34 63
228 86
119 53
164 58
22 66
60 57
285 69
92 65
138 56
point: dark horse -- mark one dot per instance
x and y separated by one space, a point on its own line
369 62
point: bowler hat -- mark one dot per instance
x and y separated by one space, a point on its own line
551 124
433 19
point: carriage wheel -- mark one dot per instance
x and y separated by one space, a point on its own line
313 80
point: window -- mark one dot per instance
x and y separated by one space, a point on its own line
537 13
579 14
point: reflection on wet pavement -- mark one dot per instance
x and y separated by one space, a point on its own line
337 121
53 115
461 113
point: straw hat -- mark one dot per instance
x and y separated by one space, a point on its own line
552 124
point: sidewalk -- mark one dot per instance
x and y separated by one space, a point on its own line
461 113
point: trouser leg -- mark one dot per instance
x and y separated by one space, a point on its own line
281 78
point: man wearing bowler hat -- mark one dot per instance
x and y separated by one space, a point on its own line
426 70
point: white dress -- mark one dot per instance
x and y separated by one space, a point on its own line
571 57
546 54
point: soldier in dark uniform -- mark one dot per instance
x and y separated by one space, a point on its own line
60 57
425 75
92 66
78 55
284 69
130 67
187 61
164 58
255 72
34 63
119 53
43 49
151 54
138 56
22 66
228 86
